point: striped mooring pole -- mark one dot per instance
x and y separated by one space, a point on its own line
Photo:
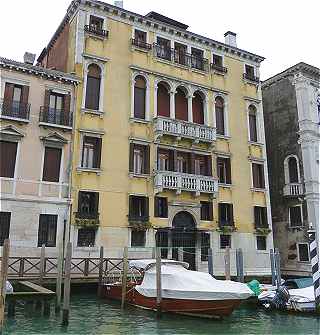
315 266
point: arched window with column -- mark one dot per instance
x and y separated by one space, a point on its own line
220 116
198 108
253 129
291 169
181 104
163 100
93 85
140 88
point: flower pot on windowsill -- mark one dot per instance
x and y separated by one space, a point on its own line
226 229
263 230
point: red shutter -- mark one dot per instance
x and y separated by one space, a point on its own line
51 166
197 109
181 107
8 152
8 92
163 101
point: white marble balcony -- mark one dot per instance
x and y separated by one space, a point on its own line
292 190
185 182
184 129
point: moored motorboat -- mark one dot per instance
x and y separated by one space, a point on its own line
182 291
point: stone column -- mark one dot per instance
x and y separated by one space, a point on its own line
172 105
190 116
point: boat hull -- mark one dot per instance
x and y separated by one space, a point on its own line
202 308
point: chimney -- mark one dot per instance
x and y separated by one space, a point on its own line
230 38
29 58
118 4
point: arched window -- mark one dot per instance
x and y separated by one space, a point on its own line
253 134
293 170
198 108
181 104
219 109
163 100
93 87
140 98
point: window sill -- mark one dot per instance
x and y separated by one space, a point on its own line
99 37
296 227
253 189
258 144
225 185
92 170
11 118
136 48
86 249
161 217
223 137
219 73
142 175
206 221
92 112
53 125
133 119
202 72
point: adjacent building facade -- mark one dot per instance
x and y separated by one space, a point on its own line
36 113
169 144
291 102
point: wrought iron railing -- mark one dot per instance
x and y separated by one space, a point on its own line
219 68
15 109
86 219
93 29
133 218
141 44
251 77
55 116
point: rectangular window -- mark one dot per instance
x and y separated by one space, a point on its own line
163 48
88 204
200 166
163 162
258 175
15 101
8 153
91 152
139 102
225 241
86 237
182 164
253 127
160 207
197 60
224 170
138 208
295 216
140 36
51 165
303 252
206 210
17 93
96 22
205 245
56 101
139 159
260 217
180 51
47 230
249 71
217 60
220 120
225 214
5 218
261 243
138 238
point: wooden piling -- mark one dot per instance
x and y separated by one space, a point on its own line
60 260
3 281
12 308
210 261
67 279
239 264
158 281
100 273
42 263
46 308
124 277
227 263
277 266
272 265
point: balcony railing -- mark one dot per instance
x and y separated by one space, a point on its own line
251 77
219 68
55 116
93 29
134 219
86 219
141 44
15 109
292 190
183 129
226 224
182 58
185 182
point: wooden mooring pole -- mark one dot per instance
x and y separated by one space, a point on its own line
210 261
100 272
124 277
3 281
60 261
273 268
239 264
227 263
277 266
42 263
67 279
158 281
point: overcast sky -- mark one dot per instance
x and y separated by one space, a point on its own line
285 32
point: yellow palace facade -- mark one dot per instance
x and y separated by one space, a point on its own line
169 145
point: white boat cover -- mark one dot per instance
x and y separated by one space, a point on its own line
179 283
302 294
146 264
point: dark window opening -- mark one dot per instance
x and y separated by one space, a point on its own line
225 241
8 152
93 87
138 238
96 22
260 217
224 170
303 249
140 98
249 71
163 100
51 165
219 111
88 204
47 230
198 108
293 170
295 216
197 60
253 124
225 214
181 105
206 210
139 159
138 208
86 237
180 53
261 243
15 101
91 152
5 218
258 175
163 48
161 207
217 60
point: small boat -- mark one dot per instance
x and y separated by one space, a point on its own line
183 291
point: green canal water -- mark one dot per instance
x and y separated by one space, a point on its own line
91 316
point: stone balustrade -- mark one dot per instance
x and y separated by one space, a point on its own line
292 189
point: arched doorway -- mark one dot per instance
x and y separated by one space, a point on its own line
184 236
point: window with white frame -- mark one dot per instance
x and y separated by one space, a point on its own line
91 152
93 86
295 216
303 252
253 127
163 162
137 161
220 116
291 169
